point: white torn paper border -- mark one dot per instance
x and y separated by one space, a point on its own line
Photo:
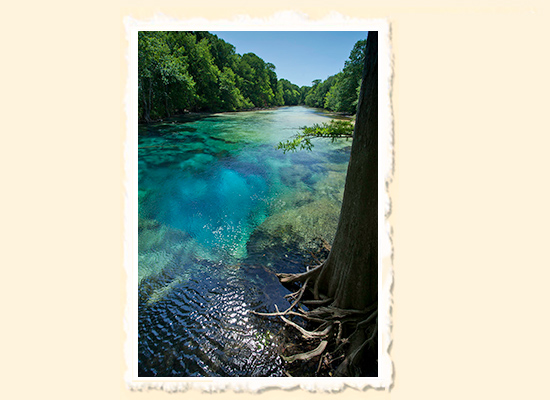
288 20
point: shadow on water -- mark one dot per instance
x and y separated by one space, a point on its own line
339 156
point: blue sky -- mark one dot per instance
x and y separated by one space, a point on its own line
299 57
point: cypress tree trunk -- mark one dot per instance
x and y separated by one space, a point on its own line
350 273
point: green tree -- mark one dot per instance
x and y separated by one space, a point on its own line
206 74
332 100
272 77
198 71
339 92
304 90
350 80
279 94
311 98
255 83
316 96
231 98
223 53
164 84
291 92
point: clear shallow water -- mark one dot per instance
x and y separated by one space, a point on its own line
221 210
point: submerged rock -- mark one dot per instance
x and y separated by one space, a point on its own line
301 226
331 187
153 263
162 253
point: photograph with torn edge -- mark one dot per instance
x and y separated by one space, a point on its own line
257 204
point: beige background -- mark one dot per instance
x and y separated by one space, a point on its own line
470 195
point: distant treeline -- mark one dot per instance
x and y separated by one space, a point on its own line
197 71
340 92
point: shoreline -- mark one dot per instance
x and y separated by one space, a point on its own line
203 114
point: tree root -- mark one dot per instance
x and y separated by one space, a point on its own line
308 334
291 278
297 314
309 355
326 245
356 353
356 329
298 295
317 302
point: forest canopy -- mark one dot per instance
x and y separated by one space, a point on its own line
180 72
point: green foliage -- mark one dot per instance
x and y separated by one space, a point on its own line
255 83
290 92
304 90
279 94
163 80
341 91
316 95
298 142
197 71
350 83
333 130
332 98
230 97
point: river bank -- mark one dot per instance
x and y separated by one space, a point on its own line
202 114
195 115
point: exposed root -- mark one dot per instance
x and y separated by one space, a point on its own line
300 314
374 332
339 336
346 335
309 355
326 245
335 313
305 333
291 278
368 319
298 294
359 326
317 302
309 334
315 257
355 355
321 359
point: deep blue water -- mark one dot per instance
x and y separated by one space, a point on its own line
220 211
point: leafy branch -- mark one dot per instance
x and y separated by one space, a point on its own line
302 141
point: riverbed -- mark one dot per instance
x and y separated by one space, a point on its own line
221 210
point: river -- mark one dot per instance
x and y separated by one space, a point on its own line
221 210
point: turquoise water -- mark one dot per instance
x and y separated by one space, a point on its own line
221 210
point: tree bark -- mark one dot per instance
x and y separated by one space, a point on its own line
350 273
